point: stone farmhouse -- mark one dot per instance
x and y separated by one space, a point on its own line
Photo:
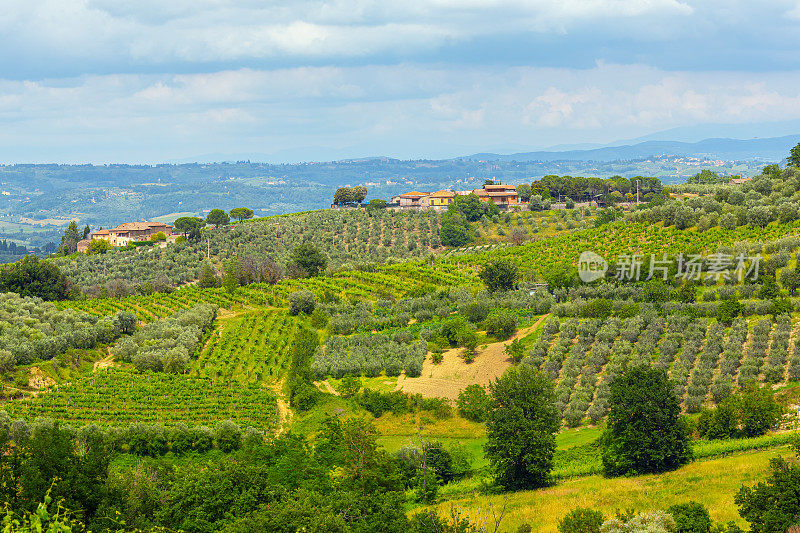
128 232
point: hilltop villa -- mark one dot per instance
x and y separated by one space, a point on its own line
127 232
500 195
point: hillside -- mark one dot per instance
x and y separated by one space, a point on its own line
385 340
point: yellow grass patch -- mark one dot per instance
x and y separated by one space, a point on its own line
712 483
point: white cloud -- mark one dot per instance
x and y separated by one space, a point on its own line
401 111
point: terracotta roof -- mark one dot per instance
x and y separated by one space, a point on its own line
443 194
84 241
139 226
499 187
414 194
101 232
495 192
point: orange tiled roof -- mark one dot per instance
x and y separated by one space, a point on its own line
499 187
443 194
101 232
138 226
414 194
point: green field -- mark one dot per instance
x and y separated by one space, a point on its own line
712 482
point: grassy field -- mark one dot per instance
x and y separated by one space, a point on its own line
712 482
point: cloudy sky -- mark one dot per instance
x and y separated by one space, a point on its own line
158 80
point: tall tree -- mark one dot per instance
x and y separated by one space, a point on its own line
645 432
521 428
218 218
241 213
455 230
359 193
190 227
343 195
32 277
86 231
524 192
69 241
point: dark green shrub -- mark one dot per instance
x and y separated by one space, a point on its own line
581 520
690 517
302 302
502 324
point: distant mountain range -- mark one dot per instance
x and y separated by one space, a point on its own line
767 149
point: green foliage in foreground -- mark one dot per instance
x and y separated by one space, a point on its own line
521 428
773 506
645 433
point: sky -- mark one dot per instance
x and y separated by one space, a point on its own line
153 80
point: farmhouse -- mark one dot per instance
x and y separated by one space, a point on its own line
500 195
439 199
410 199
131 231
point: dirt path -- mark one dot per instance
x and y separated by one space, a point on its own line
284 412
327 387
452 375
105 362
284 416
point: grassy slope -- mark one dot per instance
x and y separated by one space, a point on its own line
711 482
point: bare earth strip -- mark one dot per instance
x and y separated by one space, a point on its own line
452 375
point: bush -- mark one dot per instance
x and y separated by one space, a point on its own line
499 275
772 506
760 411
690 517
349 387
502 324
473 403
302 302
454 328
319 318
476 311
581 520
648 522
728 310
228 436
597 308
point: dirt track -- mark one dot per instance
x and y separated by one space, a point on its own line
448 378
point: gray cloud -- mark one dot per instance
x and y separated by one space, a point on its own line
71 37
